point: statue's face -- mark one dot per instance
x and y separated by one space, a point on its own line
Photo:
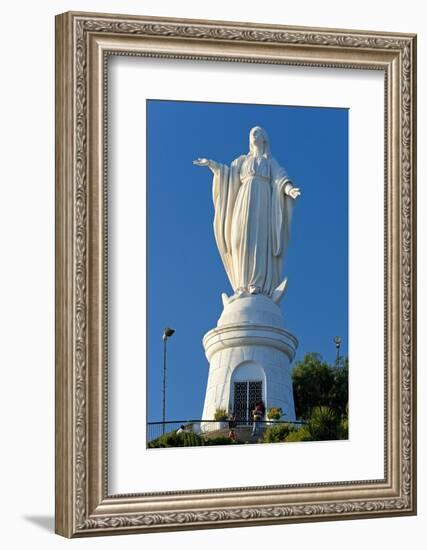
256 136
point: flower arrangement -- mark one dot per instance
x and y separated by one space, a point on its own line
220 415
274 413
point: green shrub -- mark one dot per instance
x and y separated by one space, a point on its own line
192 440
173 439
302 434
323 424
188 439
220 440
277 433
343 428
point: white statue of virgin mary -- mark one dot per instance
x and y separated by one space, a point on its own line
253 209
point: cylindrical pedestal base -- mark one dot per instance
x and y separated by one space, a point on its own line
250 355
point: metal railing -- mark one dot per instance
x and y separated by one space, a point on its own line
156 429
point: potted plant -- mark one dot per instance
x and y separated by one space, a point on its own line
221 416
274 414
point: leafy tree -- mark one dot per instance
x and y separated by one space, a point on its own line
339 390
315 383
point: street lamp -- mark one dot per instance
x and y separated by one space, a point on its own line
337 341
167 333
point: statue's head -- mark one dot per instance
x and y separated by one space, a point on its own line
258 139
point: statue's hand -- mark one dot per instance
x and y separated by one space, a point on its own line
294 192
211 164
201 162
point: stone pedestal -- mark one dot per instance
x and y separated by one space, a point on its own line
249 344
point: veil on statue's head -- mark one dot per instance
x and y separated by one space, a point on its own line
267 150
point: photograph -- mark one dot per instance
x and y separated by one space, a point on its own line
247 273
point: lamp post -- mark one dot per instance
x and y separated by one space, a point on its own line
337 341
167 333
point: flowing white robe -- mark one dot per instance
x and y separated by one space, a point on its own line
252 221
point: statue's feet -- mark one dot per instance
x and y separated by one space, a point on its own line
240 292
254 289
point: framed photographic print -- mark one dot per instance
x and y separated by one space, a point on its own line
235 274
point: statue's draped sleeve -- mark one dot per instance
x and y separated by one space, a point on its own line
281 207
226 184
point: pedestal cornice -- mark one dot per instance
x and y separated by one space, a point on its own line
236 335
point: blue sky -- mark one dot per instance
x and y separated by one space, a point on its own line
185 273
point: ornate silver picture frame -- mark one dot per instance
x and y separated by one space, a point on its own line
84 43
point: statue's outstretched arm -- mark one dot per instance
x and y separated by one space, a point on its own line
211 164
280 176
